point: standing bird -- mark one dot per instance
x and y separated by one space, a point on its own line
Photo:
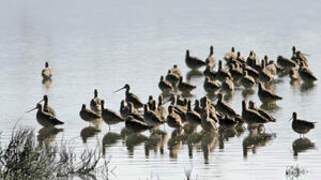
261 111
224 108
210 86
172 78
124 109
161 109
46 107
130 97
306 74
193 62
164 85
191 115
206 122
301 126
136 125
176 70
184 86
109 116
222 73
286 63
247 81
44 118
252 116
95 103
151 118
267 96
227 85
230 55
211 59
173 119
46 72
87 114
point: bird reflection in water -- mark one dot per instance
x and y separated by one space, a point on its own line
270 106
209 142
156 141
175 142
191 137
90 131
302 145
257 138
224 134
247 92
47 83
193 74
306 86
134 139
110 139
47 135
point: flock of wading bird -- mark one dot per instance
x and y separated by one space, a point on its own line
238 72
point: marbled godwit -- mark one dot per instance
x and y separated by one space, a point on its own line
240 58
151 103
161 109
261 111
135 124
124 110
88 115
46 72
236 71
306 74
191 115
252 116
131 97
252 60
176 70
210 86
227 85
206 122
264 74
250 71
193 62
46 107
230 55
109 116
173 119
301 126
294 74
184 86
267 96
172 78
211 59
152 118
164 85
226 121
247 81
44 118
224 108
209 72
285 62
95 103
222 73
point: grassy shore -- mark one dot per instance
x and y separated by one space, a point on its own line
22 159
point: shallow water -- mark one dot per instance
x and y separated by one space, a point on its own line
105 44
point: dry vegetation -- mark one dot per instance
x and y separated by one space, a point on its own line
22 159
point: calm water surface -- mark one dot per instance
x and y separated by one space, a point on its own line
105 44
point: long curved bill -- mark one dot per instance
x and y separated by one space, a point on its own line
290 119
31 109
119 89
40 101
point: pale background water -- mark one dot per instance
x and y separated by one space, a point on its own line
105 44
